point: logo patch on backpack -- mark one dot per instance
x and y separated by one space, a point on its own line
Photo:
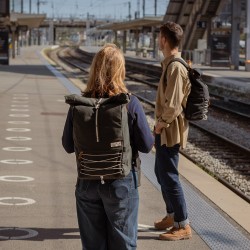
115 144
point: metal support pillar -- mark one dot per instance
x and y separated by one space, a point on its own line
124 41
54 36
115 37
154 41
17 44
13 40
248 35
38 36
208 50
136 42
29 37
51 33
130 40
235 47
143 37
30 31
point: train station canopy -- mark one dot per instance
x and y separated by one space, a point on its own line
29 20
133 24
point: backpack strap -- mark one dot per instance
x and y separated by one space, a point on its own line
180 60
175 60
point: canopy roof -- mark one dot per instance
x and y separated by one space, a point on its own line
133 24
30 20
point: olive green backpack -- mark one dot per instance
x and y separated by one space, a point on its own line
101 136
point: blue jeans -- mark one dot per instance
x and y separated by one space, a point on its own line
166 170
108 213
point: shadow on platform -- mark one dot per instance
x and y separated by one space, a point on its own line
38 234
39 70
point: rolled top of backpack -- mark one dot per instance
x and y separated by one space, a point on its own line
75 99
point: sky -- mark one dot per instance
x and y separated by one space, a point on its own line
118 9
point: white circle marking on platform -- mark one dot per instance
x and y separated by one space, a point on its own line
19 115
21 110
19 106
15 178
16 161
27 201
31 233
20 98
18 138
17 149
20 101
61 100
148 229
72 234
18 122
18 129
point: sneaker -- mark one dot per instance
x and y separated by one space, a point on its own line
166 222
181 233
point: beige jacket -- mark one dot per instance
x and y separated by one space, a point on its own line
172 93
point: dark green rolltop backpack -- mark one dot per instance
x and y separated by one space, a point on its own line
101 136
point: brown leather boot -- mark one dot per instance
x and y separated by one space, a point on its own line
181 233
164 223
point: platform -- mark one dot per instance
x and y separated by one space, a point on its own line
37 203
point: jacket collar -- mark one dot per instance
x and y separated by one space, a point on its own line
166 60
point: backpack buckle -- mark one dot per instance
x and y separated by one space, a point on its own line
102 180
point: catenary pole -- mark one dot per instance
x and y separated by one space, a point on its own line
143 8
235 34
248 35
155 7
138 9
21 6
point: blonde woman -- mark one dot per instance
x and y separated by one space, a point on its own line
108 213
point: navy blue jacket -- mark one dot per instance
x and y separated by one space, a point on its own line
141 138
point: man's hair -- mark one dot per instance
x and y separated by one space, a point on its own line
107 73
173 33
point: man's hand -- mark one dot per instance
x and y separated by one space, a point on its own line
158 127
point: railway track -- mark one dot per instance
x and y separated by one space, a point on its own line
219 102
150 74
223 158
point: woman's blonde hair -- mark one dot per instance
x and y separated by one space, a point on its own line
107 73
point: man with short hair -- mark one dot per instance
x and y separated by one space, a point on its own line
171 131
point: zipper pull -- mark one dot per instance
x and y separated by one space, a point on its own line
97 106
102 181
